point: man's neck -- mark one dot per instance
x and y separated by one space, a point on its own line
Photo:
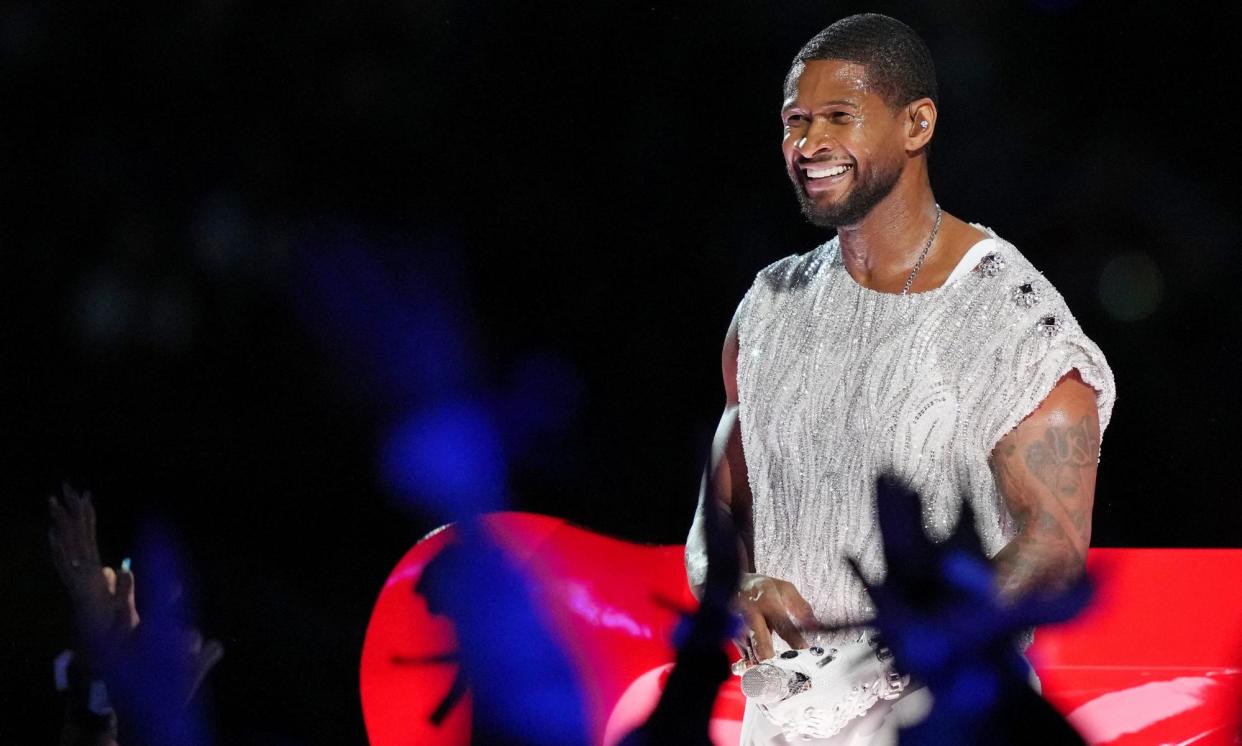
885 245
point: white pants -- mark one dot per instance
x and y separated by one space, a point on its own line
877 728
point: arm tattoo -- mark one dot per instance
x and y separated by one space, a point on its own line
1047 485
1059 458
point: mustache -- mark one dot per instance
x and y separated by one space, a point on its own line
799 162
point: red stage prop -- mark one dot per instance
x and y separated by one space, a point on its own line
1156 660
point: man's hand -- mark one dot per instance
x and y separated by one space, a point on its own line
767 606
103 599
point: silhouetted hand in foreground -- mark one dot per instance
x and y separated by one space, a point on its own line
102 598
939 611
152 667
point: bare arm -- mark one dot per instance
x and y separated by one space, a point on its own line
1045 470
767 605
729 487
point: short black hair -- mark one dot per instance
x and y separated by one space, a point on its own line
898 62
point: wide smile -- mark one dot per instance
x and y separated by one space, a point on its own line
820 177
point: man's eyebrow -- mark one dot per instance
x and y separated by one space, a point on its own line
834 102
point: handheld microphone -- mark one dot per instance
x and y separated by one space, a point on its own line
768 683
815 692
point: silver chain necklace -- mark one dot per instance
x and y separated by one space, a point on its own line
905 290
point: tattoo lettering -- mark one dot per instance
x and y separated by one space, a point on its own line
1059 458
1047 482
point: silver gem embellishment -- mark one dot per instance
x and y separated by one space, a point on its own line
1026 295
991 265
1048 326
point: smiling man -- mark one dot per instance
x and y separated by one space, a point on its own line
912 343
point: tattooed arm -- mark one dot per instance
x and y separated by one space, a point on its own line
1045 470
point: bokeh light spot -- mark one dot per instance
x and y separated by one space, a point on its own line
448 460
1131 287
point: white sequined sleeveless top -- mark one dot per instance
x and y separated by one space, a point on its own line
837 383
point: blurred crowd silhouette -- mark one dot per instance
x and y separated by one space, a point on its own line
135 678
130 678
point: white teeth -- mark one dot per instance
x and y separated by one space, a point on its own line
821 173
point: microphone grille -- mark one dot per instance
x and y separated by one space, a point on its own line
765 684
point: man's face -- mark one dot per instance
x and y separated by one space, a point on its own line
843 146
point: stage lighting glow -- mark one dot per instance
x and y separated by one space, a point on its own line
448 459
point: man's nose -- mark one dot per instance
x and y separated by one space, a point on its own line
816 140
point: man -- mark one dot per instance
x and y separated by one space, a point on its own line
912 343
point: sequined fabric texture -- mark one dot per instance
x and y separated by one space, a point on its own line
837 383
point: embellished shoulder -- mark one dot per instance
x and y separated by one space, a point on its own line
794 271
1031 340
775 285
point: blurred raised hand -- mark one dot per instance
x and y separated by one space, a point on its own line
102 597
151 669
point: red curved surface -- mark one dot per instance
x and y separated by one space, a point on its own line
1156 660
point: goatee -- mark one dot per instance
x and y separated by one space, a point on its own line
866 194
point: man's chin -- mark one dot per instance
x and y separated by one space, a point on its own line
830 215
846 211
818 218
850 207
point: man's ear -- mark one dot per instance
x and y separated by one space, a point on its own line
920 123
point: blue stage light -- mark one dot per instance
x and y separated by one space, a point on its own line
448 459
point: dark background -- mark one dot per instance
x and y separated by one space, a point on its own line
242 242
